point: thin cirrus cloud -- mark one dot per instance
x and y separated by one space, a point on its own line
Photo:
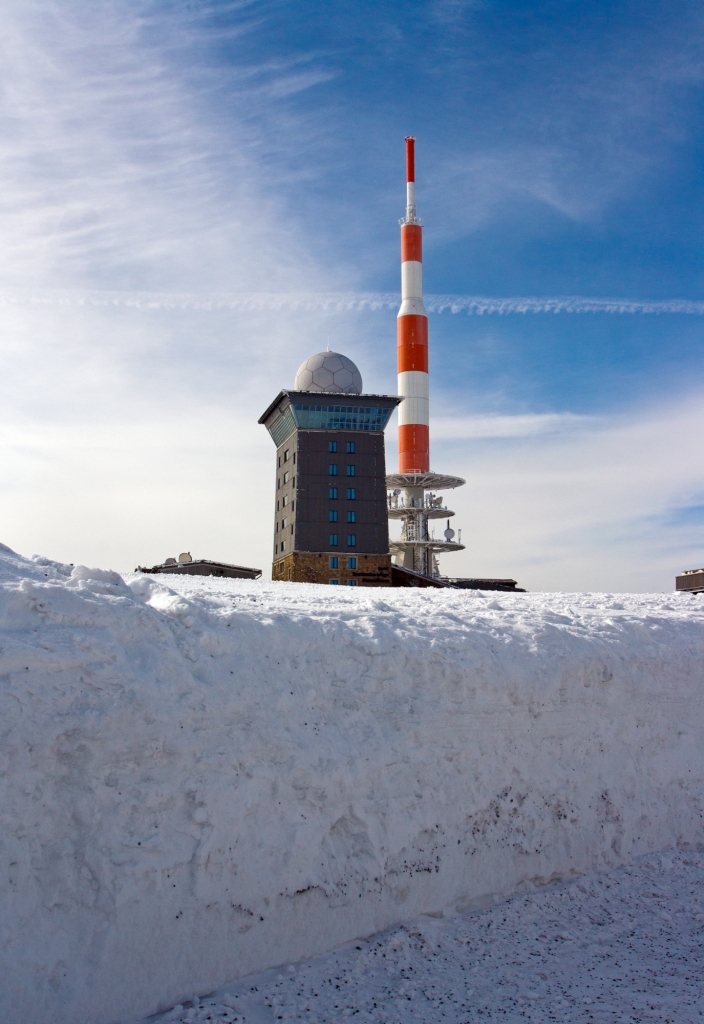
573 148
472 428
170 255
116 167
544 493
128 163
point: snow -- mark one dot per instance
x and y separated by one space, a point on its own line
203 779
623 947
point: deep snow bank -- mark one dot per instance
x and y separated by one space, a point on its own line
622 946
204 778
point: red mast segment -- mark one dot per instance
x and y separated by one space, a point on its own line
412 327
410 158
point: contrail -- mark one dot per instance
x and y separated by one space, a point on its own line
479 305
472 305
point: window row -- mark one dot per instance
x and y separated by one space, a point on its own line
332 447
284 524
350 583
332 470
335 562
351 540
285 479
351 493
351 516
286 456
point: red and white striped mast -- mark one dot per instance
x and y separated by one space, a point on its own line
412 499
412 333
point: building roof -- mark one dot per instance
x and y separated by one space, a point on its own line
204 567
328 398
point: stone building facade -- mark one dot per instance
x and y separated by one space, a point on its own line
330 516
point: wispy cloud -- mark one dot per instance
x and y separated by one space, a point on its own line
134 159
570 506
121 162
473 305
161 276
574 149
469 428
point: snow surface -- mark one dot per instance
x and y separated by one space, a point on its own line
201 779
622 947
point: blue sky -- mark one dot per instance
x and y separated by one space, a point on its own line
159 156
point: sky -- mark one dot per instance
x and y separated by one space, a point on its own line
195 196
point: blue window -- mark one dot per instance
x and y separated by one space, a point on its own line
332 447
350 447
351 494
333 561
352 562
329 417
351 517
333 492
350 471
334 583
333 540
333 469
333 515
351 583
351 540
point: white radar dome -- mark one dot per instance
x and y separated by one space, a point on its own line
329 372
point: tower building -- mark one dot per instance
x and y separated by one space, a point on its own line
330 517
412 494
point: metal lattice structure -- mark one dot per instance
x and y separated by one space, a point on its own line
413 500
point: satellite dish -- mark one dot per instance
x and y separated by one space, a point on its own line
169 561
185 556
449 534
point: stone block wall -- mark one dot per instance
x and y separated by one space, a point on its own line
313 567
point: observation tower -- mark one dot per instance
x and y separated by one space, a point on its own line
330 522
412 492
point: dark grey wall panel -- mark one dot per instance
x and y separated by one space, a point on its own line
303 503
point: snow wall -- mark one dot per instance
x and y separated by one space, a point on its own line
202 778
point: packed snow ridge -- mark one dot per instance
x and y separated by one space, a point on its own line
202 779
624 946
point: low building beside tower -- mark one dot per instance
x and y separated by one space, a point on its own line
330 517
691 580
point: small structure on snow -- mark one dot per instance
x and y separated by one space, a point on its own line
202 567
691 580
